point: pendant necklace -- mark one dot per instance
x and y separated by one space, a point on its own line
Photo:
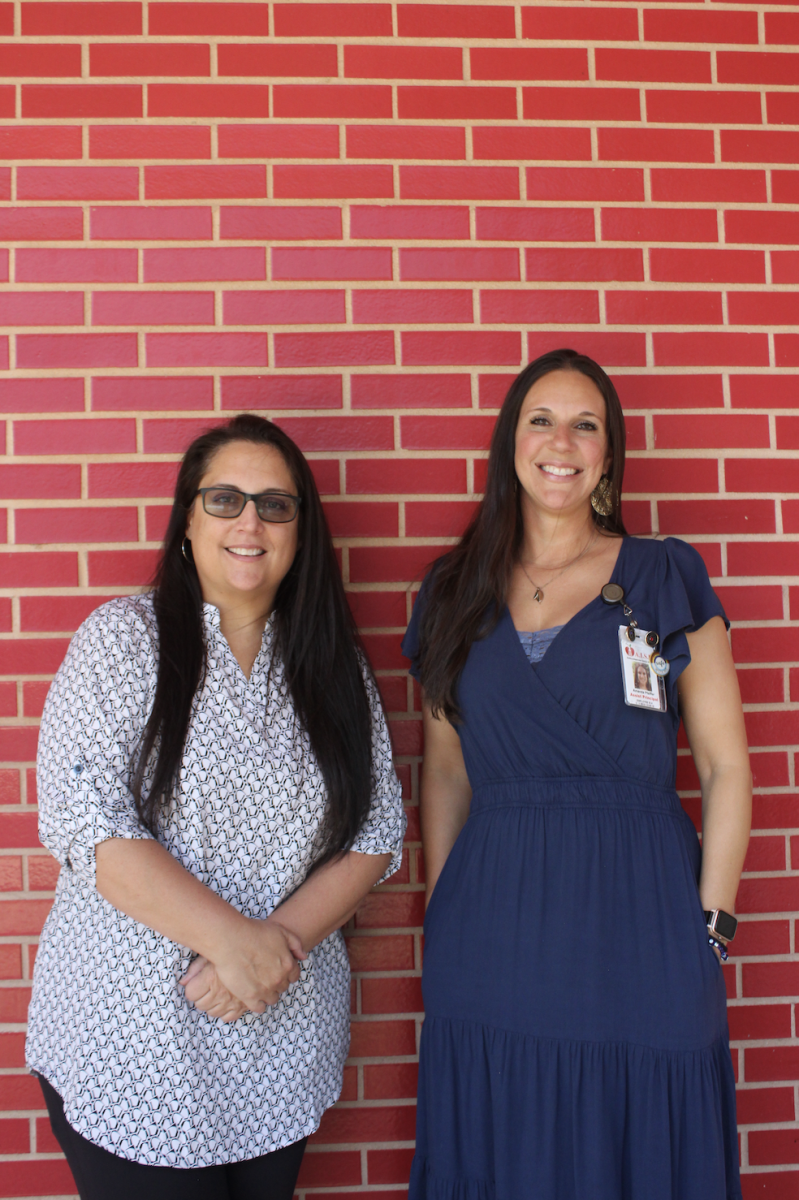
539 591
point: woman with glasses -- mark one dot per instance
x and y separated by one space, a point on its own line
215 778
575 1043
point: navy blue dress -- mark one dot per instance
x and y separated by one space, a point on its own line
575 1045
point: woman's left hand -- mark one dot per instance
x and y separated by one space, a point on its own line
203 989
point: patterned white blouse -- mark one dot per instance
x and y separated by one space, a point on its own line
141 1071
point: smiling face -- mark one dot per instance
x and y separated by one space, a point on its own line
561 442
243 560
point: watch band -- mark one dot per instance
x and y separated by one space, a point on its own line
720 922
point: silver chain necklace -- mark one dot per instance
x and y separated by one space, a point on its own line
539 591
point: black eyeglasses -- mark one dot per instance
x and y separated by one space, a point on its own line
225 502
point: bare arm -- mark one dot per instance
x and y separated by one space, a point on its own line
446 794
711 709
255 960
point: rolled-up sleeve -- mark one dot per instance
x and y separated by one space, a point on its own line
384 828
93 718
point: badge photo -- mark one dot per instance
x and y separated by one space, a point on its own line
641 670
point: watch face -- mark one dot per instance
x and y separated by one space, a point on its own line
726 925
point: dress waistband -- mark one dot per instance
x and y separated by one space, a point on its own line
579 791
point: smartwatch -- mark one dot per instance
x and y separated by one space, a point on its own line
721 923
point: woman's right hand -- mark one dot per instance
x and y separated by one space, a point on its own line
260 965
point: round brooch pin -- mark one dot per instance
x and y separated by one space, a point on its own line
660 665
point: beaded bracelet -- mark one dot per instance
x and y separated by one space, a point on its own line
717 945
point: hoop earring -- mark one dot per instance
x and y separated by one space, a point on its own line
602 497
190 561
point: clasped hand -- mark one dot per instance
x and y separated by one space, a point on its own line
251 974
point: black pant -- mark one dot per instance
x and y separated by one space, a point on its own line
101 1175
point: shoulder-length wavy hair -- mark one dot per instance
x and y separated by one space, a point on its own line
315 639
468 586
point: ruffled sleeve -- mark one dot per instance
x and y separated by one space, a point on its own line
410 643
685 602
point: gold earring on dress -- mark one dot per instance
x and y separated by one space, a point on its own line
189 560
602 497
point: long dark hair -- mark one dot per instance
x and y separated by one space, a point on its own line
469 585
315 637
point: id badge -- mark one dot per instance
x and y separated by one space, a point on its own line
643 687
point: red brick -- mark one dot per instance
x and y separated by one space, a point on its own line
23 1092
333 349
786 350
76 350
745 558
23 917
8 699
661 66
405 141
153 308
716 516
373 609
765 978
81 99
785 187
121 568
75 437
41 224
537 306
31 482
455 21
397 909
772 729
581 103
278 141
782 29
327 182
764 308
391 953
8 101
747 66
41 308
535 224
177 264
428 307
663 308
228 18
751 603
668 475
18 744
207 100
759 1021
612 349
656 145
761 687
430 519
9 794
398 62
454 103
466 264
759 145
755 645
764 391
4 355
43 614
584 183
118 393
332 20
48 525
715 183
427 476
456 349
41 395
151 223
40 141
787 433
283 308
49 20
459 183
446 433
676 25
207 349
766 853
388 1166
494 142
112 480
590 264
298 61
703 107
388 1081
77 183
340 433
409 221
68 266
279 224
328 1169
363 520
157 59
770 1063
782 108
592 24
670 391
407 390
711 349
528 63
15 1134
331 263
695 432
6 20
659 225
757 1106
707 266
228 182
153 141
332 100
42 59
377 1123
244 392
768 1146
391 995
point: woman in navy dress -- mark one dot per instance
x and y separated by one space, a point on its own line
575 1045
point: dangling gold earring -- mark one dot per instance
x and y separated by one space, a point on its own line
185 555
602 497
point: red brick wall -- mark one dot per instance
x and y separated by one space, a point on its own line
361 220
